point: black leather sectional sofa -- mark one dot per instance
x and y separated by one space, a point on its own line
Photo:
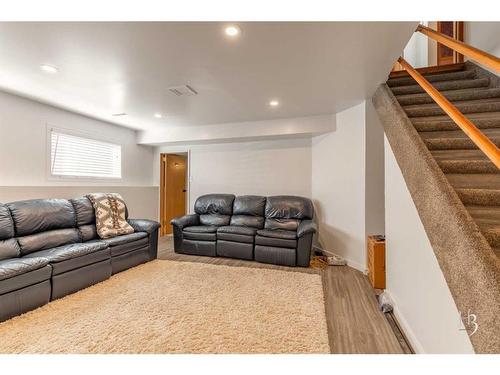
277 230
49 248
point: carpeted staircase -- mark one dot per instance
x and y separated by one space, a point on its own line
473 176
455 188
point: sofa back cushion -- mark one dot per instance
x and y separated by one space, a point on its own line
9 248
47 240
40 215
88 232
214 209
286 211
84 211
6 223
248 211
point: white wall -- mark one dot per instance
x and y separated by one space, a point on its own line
24 154
483 35
416 51
374 172
423 302
268 167
338 186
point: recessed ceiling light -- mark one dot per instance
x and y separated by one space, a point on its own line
158 115
232 30
274 103
48 68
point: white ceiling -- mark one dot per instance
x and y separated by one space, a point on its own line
112 67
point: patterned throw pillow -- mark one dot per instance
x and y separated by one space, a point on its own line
110 214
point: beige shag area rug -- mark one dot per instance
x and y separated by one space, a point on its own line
180 307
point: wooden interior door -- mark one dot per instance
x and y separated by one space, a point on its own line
454 29
173 172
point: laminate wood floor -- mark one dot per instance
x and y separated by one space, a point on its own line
355 324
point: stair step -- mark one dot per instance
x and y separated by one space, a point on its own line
467 106
456 139
483 181
485 120
443 155
468 166
479 197
453 96
443 86
437 77
434 69
488 221
464 161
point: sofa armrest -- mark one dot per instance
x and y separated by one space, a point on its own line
305 227
143 225
185 221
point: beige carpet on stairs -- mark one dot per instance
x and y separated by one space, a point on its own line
180 307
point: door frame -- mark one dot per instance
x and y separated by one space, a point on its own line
458 34
162 187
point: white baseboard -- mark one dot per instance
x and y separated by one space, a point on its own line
403 323
353 264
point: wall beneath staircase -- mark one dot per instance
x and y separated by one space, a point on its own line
423 302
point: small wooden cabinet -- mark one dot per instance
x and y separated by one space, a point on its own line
375 260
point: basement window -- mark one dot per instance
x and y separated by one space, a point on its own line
76 156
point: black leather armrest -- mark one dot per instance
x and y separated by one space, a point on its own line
143 225
185 221
305 227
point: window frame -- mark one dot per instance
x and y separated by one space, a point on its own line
81 134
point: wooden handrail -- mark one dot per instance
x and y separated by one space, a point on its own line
481 141
481 57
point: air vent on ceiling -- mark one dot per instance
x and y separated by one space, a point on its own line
184 90
119 114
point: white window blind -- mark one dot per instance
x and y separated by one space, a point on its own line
74 156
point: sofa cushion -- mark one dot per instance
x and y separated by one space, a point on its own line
40 215
275 242
283 234
249 205
289 207
237 229
110 214
6 223
119 240
248 221
70 257
18 266
213 204
48 240
9 249
215 219
84 211
62 253
201 229
282 224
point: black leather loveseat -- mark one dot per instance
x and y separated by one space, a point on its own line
50 248
277 230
